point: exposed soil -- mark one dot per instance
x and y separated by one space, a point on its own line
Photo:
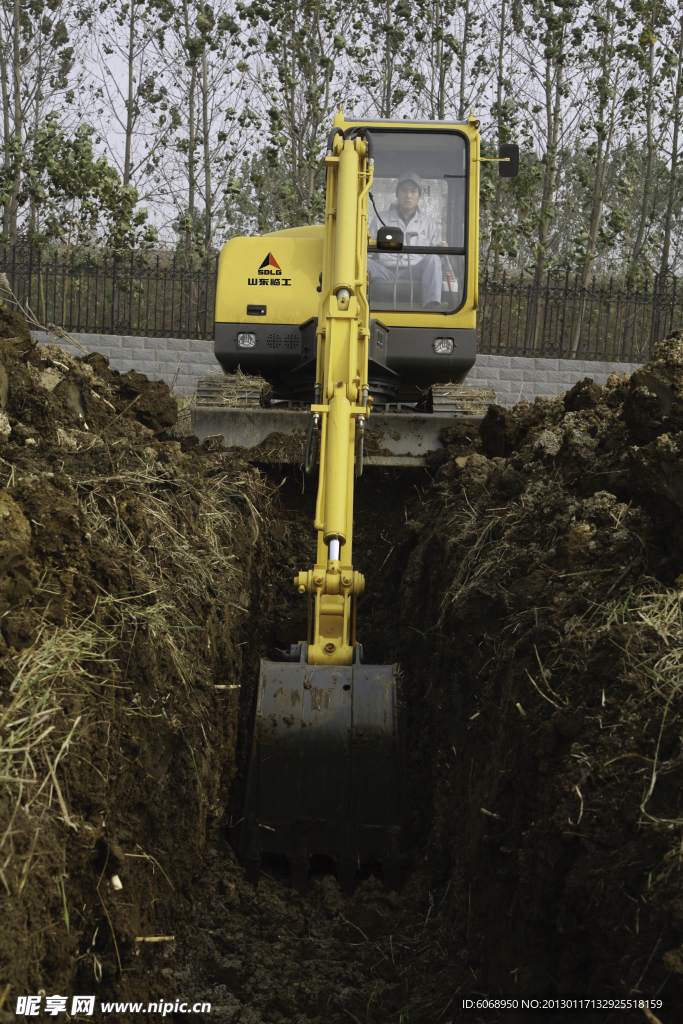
528 583
130 571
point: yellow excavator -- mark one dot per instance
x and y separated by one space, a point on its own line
364 329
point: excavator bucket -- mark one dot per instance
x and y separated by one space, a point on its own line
324 772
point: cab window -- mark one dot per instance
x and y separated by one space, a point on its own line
419 185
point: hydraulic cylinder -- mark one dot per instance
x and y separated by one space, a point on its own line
346 226
337 466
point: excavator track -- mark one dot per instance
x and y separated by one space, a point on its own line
460 399
396 435
234 390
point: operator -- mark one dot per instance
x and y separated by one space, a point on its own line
418 229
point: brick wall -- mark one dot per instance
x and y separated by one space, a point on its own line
516 377
179 362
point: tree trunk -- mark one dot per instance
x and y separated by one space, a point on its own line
647 183
501 130
130 100
18 119
602 160
189 228
678 95
438 107
388 65
207 153
553 97
463 62
292 113
32 223
191 177
6 128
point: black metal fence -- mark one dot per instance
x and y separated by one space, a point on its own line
606 320
168 295
154 295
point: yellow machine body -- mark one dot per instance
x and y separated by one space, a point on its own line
298 252
268 287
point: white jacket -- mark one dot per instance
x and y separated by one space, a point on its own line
421 228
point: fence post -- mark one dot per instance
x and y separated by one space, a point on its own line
113 292
30 275
673 305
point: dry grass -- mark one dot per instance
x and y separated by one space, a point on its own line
655 665
179 558
484 537
183 425
36 734
192 543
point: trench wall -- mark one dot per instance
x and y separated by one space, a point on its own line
180 361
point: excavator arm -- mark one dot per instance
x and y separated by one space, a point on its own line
324 773
343 409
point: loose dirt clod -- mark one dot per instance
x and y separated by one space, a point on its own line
529 584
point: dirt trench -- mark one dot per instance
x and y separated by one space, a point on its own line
272 954
528 582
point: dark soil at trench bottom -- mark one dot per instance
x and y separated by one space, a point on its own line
528 584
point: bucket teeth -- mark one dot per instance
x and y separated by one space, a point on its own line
345 870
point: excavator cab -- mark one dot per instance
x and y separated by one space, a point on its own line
352 336
419 187
421 296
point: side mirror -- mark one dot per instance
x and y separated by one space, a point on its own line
389 238
509 156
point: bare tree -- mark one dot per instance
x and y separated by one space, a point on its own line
603 81
654 15
37 47
450 82
675 115
5 55
18 116
203 54
128 108
503 132
549 51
